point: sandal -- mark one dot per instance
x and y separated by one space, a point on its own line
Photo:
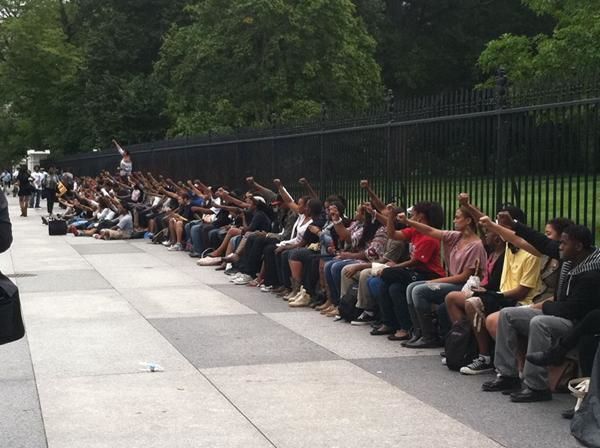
255 283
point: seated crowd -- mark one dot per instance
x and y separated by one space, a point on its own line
529 298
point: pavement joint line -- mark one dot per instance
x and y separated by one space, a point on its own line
35 380
195 368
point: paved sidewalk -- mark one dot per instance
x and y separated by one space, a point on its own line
241 369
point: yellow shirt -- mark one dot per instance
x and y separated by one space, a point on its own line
521 269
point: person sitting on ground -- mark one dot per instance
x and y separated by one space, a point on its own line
424 264
364 240
463 253
359 275
122 230
545 322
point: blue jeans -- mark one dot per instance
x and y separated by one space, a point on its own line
422 295
188 229
333 276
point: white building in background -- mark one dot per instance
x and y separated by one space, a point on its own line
36 157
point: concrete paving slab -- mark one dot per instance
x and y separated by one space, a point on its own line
71 240
65 280
206 274
96 247
237 340
56 262
6 264
259 301
65 306
336 404
97 347
152 410
150 277
515 425
21 424
345 340
198 300
128 260
15 361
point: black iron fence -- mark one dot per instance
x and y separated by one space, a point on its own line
538 149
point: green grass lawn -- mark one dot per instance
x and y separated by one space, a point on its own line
541 197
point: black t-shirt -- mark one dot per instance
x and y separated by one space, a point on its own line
5 226
260 222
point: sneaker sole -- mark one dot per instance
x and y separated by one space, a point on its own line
475 372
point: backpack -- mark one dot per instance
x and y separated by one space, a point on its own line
347 306
461 345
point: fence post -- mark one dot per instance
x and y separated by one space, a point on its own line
322 151
273 131
501 94
389 100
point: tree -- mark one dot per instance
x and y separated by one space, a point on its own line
428 46
121 42
569 50
38 68
240 63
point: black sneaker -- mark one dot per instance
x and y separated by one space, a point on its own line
478 366
365 318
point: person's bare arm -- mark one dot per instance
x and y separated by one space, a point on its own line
391 229
465 201
121 150
255 186
507 235
338 225
235 201
286 196
421 228
375 200
306 184
378 216
455 279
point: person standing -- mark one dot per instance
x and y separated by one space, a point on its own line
36 192
25 188
126 165
50 185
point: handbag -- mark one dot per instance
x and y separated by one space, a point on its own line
11 320
57 227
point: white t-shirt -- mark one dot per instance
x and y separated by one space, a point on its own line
297 231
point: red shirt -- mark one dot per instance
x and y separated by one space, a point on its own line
426 250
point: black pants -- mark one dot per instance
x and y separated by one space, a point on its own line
584 334
270 262
50 199
251 259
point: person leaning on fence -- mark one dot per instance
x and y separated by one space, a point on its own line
463 252
544 322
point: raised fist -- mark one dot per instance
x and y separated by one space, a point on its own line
464 199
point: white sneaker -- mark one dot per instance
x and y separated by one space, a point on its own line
301 300
177 247
166 243
233 277
243 279
299 295
265 288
